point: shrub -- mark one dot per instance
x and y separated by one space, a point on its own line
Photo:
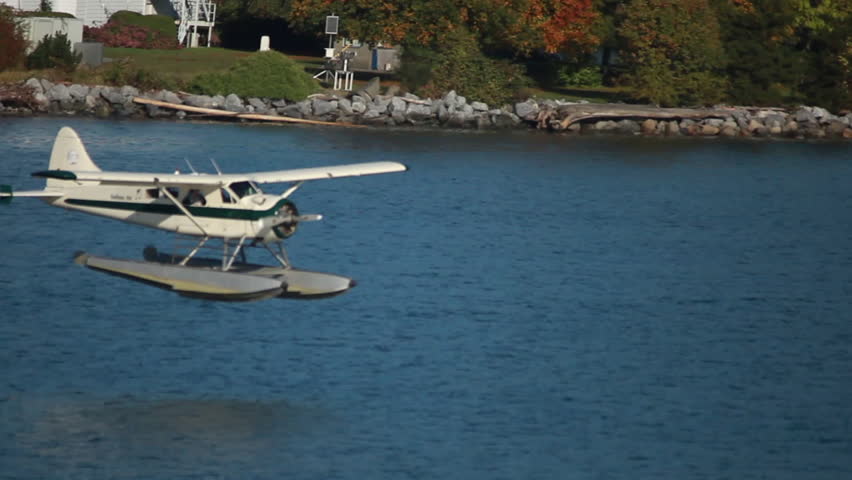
54 51
459 64
581 77
264 74
133 30
12 41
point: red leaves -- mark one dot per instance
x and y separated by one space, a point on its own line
114 34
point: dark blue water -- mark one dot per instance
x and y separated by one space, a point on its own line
529 306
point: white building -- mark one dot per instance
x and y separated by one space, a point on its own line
192 14
91 12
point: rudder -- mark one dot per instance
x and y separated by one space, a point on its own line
69 153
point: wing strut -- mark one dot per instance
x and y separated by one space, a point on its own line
180 206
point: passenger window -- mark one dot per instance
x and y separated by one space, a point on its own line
226 197
194 198
152 193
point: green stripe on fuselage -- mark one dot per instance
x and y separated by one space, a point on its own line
171 209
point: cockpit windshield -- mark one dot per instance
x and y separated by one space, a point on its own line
242 189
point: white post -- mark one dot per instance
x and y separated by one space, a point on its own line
264 43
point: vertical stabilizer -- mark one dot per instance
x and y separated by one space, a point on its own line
70 154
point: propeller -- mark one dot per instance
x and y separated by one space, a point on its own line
287 219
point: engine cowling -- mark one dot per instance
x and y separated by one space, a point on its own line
286 220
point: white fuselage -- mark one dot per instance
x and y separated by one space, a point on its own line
218 212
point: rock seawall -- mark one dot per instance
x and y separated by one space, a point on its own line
368 107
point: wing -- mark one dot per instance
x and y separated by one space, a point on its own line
280 176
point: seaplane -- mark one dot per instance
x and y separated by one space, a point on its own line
201 210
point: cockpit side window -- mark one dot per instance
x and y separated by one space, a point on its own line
242 189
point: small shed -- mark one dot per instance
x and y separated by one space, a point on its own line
370 58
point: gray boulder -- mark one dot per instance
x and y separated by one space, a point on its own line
324 107
259 105
450 99
305 108
443 113
358 106
398 117
371 89
90 102
628 126
218 101
78 92
527 110
292 110
35 84
804 115
113 96
45 84
59 93
371 113
129 91
418 113
201 101
504 120
479 106
397 105
279 103
41 101
234 103
381 105
345 106
171 97
605 125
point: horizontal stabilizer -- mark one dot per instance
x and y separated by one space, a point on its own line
6 194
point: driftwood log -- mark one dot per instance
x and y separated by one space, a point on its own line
245 116
564 116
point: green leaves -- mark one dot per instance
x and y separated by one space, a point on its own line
673 52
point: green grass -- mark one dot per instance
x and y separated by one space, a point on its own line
183 64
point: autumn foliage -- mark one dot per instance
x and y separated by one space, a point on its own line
521 26
12 42
131 30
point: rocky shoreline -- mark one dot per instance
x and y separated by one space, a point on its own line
368 106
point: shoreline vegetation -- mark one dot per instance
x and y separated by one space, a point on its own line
370 106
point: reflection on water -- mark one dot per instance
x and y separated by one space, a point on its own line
127 436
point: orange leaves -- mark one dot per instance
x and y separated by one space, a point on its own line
521 25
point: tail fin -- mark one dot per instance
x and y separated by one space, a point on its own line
70 154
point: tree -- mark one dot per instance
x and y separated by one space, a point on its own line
460 65
788 51
54 51
12 41
518 26
672 52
